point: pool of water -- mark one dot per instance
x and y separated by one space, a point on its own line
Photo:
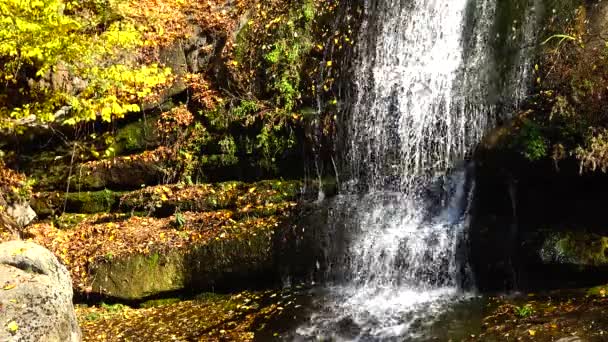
331 314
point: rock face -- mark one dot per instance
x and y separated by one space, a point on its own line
36 298
536 225
247 259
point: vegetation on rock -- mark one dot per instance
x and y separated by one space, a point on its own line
549 317
566 116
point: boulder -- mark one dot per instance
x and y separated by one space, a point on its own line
22 213
36 296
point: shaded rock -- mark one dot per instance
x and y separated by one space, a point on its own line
36 297
522 208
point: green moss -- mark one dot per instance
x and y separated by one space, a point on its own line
92 202
53 203
598 291
153 259
245 252
582 248
136 136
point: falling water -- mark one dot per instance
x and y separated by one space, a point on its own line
422 101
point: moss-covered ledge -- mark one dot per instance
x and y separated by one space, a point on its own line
248 258
86 202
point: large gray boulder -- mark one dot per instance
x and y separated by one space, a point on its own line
35 295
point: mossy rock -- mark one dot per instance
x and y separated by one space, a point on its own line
51 203
576 248
598 291
136 136
220 263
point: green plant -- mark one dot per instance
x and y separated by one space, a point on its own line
113 307
524 311
531 141
180 220
92 316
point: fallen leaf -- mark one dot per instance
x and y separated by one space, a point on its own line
13 327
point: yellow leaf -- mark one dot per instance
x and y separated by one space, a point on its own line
532 332
164 198
13 327
329 63
9 286
252 189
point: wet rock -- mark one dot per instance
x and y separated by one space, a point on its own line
36 298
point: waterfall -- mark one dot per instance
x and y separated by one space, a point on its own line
423 97
407 119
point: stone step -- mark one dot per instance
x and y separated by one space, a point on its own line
259 198
137 257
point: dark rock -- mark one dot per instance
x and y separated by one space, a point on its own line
519 206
